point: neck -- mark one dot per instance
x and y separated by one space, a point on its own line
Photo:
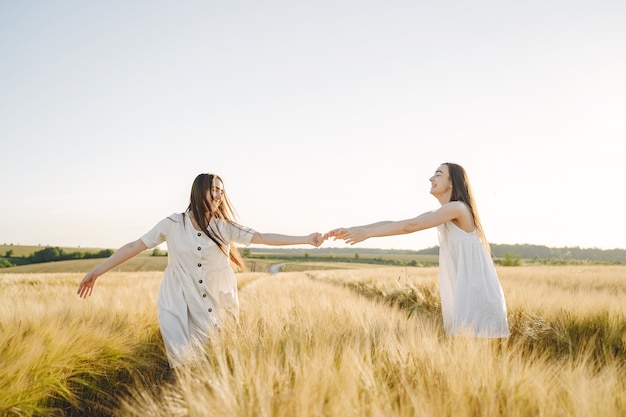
444 198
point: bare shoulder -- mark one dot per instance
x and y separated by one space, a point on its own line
457 207
461 215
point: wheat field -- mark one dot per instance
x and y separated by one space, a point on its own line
351 342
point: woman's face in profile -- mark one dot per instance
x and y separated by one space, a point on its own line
440 182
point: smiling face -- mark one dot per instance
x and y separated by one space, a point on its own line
215 194
440 183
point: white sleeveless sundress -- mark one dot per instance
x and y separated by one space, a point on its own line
472 300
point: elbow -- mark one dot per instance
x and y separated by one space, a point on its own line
410 228
137 246
257 238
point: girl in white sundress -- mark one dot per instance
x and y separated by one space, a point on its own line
472 300
199 286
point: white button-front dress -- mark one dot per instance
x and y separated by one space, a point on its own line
472 300
199 285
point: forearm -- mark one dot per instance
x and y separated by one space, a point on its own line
377 224
119 257
276 239
389 228
392 228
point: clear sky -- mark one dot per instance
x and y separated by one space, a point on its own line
316 114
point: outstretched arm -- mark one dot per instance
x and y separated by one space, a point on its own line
426 220
119 256
275 239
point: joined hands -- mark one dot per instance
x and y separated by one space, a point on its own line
349 235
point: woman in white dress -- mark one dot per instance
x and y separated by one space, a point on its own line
472 300
199 286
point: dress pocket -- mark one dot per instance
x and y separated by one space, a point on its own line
226 289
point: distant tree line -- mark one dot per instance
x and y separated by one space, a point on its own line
50 254
508 255
566 253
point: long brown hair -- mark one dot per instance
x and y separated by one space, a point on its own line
201 209
462 191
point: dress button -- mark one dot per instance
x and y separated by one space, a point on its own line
199 265
199 248
199 234
203 295
210 310
200 281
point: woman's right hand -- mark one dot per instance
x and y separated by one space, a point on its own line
350 235
86 285
336 233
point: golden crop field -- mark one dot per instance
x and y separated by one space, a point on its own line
350 342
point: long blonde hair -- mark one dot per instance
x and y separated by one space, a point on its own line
201 209
462 191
